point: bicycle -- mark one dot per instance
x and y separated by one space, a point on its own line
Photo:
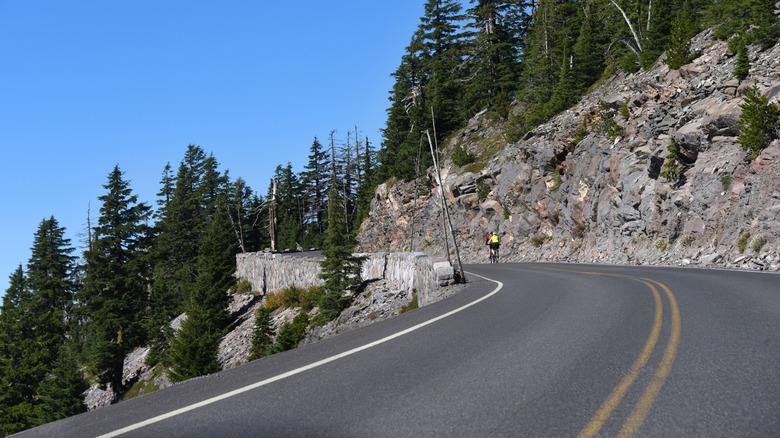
494 255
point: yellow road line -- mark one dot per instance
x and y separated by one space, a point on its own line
642 407
597 422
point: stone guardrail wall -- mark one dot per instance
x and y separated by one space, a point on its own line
412 272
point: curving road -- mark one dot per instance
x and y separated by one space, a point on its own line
526 350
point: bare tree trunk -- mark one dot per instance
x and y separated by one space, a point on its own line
272 224
630 26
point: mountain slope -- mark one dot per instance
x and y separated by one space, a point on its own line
588 186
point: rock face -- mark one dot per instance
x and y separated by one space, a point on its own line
575 190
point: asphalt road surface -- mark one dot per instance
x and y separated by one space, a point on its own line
532 350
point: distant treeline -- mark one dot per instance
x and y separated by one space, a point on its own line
524 61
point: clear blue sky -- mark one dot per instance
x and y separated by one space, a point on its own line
86 85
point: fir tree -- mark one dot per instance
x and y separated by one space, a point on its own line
114 295
262 336
194 350
61 393
315 181
49 277
742 65
494 66
291 333
183 216
759 122
341 268
684 28
34 324
18 376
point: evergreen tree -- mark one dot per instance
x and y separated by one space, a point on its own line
555 25
742 65
61 392
367 189
684 28
262 336
114 296
18 376
49 277
315 181
341 268
290 207
441 49
759 122
402 134
193 351
587 64
175 253
246 217
429 79
291 333
34 325
494 67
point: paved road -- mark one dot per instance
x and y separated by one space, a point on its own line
529 350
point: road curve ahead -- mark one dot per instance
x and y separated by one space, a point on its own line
526 350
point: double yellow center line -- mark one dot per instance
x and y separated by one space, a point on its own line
641 409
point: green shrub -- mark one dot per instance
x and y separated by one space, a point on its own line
661 245
461 156
688 240
726 180
624 113
759 122
482 190
556 181
538 241
757 244
673 168
507 213
243 286
414 304
742 242
293 296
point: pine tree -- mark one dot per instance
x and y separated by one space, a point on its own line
114 295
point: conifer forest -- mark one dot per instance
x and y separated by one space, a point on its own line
69 319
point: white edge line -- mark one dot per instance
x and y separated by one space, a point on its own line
290 373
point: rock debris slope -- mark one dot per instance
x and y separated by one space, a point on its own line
588 186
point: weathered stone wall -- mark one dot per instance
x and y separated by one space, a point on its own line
410 272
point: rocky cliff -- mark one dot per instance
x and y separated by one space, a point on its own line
587 185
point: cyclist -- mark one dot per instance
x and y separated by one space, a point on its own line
494 242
